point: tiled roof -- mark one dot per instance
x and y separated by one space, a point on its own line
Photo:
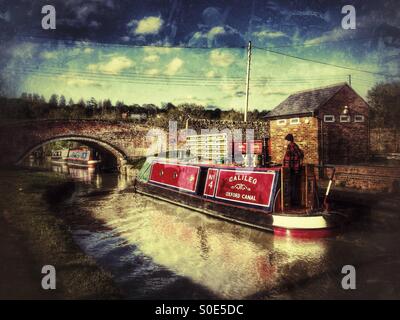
305 102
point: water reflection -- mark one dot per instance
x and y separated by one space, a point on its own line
229 260
157 250
90 176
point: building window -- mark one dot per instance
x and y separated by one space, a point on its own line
359 118
281 122
295 121
329 118
344 118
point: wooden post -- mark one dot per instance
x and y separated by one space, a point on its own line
246 109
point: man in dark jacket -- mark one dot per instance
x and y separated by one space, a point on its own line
293 160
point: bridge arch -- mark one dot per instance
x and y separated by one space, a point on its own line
101 145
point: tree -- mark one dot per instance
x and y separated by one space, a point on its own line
81 103
92 103
70 102
62 103
216 114
119 104
53 101
384 101
107 105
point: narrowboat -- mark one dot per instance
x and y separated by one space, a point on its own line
82 157
256 196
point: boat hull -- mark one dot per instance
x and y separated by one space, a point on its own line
295 223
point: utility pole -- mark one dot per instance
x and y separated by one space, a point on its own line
247 81
350 80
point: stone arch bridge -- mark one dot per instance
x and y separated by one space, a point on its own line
125 141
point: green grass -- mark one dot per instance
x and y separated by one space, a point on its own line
24 203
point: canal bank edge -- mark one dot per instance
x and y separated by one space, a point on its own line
47 238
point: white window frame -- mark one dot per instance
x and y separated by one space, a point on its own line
347 117
281 122
295 121
329 115
360 117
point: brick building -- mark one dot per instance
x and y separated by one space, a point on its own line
330 124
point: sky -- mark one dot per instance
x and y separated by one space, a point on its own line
183 51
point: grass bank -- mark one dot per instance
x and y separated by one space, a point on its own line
25 205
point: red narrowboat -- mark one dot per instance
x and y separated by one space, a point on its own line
256 196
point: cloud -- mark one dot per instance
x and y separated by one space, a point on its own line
221 59
150 50
174 66
217 36
215 32
269 34
210 74
333 35
152 72
73 81
49 55
5 16
24 51
151 58
229 87
77 13
114 66
146 26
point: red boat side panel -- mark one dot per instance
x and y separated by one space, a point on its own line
183 177
249 187
211 182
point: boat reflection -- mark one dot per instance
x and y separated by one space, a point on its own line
230 260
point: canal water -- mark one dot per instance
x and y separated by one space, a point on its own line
157 250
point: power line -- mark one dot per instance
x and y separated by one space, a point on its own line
326 63
96 78
318 44
135 75
144 75
119 79
268 49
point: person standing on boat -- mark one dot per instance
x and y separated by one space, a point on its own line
293 160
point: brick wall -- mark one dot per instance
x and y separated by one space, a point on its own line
384 140
345 142
372 178
305 134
